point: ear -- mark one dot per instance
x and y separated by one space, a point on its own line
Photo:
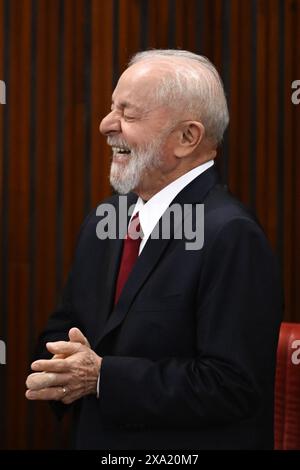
191 133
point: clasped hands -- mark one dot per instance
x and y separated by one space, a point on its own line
70 374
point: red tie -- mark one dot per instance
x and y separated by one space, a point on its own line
130 253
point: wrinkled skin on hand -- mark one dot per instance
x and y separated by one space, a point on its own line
70 374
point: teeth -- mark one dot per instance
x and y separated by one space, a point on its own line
121 150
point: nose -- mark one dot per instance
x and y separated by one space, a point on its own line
110 124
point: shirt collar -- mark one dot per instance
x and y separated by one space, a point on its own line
151 211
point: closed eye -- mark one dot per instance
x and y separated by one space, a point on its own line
129 118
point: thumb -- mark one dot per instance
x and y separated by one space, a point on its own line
76 336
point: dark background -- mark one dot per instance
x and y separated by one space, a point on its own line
60 60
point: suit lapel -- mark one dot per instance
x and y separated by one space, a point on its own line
106 302
114 252
149 258
142 269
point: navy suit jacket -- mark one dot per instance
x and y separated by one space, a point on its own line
189 350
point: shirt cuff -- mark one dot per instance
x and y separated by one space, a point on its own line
98 385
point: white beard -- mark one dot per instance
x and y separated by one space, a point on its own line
125 178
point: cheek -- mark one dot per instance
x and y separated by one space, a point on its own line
168 151
131 135
168 161
138 134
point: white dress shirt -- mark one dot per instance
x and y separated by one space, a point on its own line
151 211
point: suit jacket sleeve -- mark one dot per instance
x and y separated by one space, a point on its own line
237 316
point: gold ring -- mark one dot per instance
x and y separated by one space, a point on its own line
64 390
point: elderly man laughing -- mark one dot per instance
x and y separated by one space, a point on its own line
154 345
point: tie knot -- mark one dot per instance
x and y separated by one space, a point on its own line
134 228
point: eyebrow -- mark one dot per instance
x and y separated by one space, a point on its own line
127 104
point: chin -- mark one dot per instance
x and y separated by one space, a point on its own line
128 177
120 185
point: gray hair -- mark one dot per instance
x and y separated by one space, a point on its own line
194 86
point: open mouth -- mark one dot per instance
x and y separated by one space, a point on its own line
121 154
121 151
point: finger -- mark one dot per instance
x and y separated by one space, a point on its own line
50 365
66 348
51 393
40 380
77 336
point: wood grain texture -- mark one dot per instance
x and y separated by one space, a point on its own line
60 59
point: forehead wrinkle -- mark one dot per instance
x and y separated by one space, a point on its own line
143 111
140 77
126 104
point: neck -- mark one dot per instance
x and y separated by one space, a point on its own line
146 190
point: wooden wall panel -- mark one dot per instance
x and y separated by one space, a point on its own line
3 191
45 174
60 60
101 90
234 96
289 159
18 195
159 27
272 122
295 306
